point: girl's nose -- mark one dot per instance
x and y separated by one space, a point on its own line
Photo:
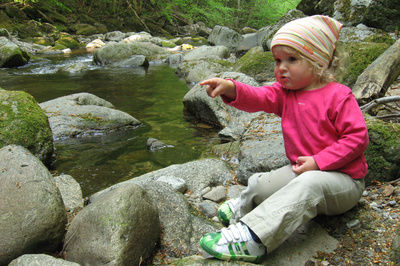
282 67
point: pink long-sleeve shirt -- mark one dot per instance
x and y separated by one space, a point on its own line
325 123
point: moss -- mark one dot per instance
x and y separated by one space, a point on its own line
361 55
255 61
68 41
24 123
168 44
382 152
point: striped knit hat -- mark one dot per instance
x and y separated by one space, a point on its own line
315 37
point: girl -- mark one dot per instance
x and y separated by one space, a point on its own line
325 137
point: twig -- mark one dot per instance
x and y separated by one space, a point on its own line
383 100
394 115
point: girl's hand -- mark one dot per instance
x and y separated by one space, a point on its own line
218 86
304 164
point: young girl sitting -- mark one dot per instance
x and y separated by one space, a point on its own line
325 137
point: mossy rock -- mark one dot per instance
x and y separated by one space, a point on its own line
67 41
168 44
85 29
43 41
361 55
11 55
255 63
383 152
24 123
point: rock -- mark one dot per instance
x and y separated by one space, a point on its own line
174 60
40 259
11 55
120 228
261 148
177 184
207 52
154 144
216 194
181 230
215 111
133 61
24 123
32 214
116 52
84 114
257 64
71 192
221 35
208 208
114 36
95 44
197 174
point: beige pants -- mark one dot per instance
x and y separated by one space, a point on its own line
276 203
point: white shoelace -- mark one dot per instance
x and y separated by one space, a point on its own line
234 205
235 233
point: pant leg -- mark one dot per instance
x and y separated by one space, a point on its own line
262 185
305 196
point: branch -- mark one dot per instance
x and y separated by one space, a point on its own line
137 16
373 103
394 115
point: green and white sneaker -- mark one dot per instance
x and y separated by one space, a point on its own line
227 211
233 243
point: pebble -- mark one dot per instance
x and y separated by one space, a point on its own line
353 224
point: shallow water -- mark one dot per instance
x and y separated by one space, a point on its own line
153 96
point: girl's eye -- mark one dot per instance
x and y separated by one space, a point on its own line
292 59
277 60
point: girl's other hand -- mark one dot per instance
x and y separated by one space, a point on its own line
304 164
218 86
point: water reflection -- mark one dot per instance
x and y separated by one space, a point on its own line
153 96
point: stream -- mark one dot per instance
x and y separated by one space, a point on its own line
153 96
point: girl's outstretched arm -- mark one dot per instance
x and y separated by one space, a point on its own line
220 87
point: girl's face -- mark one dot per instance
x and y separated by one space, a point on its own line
293 71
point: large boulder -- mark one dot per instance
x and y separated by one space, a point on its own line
83 114
116 52
120 228
215 111
24 123
207 52
221 35
32 215
11 55
198 175
257 64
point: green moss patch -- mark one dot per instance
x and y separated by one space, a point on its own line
24 123
383 152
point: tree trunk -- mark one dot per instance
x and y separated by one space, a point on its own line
377 77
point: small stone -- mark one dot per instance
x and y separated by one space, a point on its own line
353 224
208 208
388 190
216 194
